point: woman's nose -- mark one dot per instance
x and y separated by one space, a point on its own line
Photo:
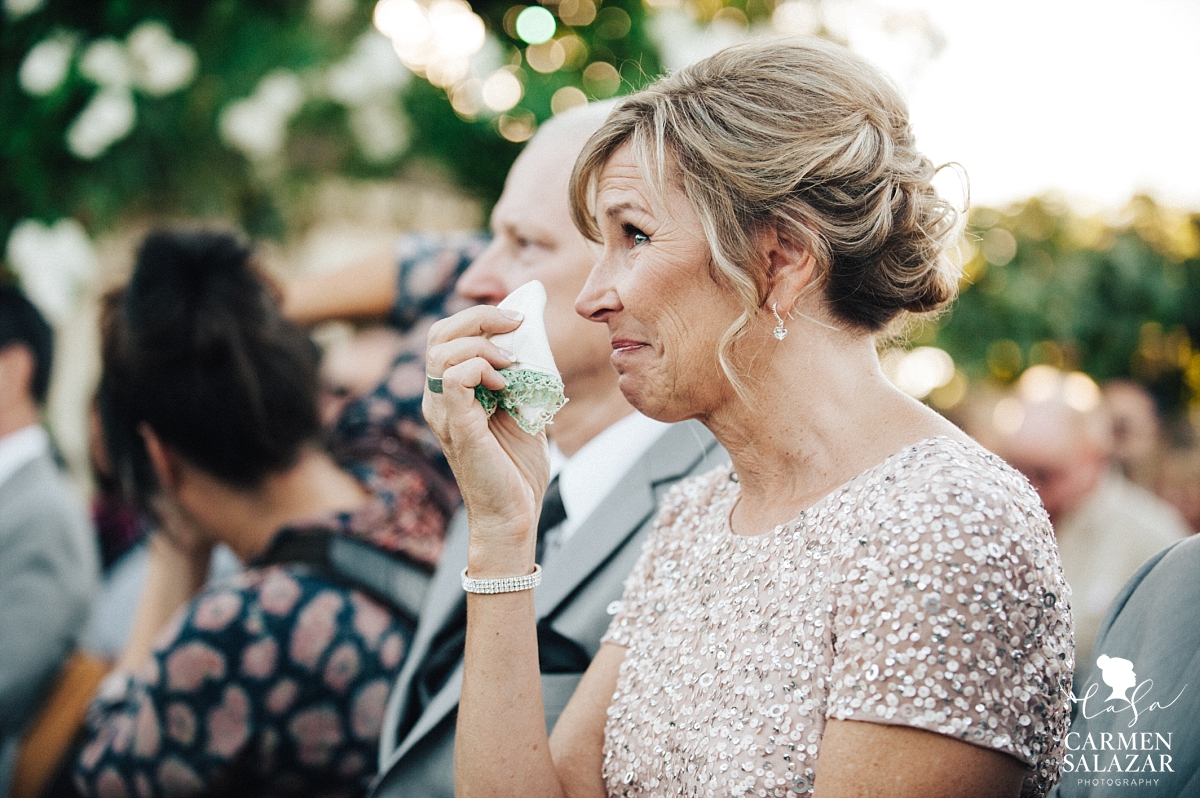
599 299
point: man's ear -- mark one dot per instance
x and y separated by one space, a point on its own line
792 269
167 464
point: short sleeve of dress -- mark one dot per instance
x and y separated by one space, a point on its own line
653 577
952 614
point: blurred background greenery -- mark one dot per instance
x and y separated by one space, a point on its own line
267 113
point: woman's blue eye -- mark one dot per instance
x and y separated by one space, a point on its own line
636 235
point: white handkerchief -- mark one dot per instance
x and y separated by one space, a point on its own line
535 388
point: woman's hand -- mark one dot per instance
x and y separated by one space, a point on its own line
501 470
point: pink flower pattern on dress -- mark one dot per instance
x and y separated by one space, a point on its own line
300 704
315 628
229 723
192 664
258 660
341 668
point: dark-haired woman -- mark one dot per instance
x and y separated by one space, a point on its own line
273 683
867 603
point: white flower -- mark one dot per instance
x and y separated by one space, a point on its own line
15 9
282 91
253 127
106 64
106 119
371 70
160 64
380 130
53 262
257 125
45 66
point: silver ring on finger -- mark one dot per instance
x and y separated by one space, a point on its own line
434 384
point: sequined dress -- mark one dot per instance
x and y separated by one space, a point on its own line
924 592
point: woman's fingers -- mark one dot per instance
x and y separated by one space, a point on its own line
479 321
442 356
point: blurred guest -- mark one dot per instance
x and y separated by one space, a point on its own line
1178 482
1152 634
1106 526
273 682
1136 430
47 558
610 462
352 367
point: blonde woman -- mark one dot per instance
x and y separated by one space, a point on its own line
867 602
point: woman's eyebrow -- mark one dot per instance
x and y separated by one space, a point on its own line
620 207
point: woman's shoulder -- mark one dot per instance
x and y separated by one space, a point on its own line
957 475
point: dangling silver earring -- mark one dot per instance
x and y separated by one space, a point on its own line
780 331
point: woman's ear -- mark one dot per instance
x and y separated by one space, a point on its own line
792 270
167 465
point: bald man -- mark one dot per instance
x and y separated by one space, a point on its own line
1106 526
610 463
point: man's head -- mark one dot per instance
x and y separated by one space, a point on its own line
26 353
535 240
1058 441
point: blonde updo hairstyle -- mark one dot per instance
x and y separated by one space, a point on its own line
804 137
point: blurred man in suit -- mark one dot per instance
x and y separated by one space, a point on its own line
610 465
47 552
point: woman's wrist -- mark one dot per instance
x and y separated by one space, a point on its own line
497 553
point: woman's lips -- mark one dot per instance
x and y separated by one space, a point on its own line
624 349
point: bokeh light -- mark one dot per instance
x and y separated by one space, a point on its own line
601 79
502 90
535 25
435 41
919 372
566 98
547 57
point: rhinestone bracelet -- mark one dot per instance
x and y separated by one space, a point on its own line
509 584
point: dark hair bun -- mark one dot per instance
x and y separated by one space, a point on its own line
197 348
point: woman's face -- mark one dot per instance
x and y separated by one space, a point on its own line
652 287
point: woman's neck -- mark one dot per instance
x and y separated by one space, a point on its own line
820 413
247 521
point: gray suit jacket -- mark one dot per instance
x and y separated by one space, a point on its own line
47 575
585 576
1153 624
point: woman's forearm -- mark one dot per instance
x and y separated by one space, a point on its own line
366 289
501 748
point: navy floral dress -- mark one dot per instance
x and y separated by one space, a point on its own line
274 683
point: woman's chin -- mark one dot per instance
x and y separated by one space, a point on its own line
650 403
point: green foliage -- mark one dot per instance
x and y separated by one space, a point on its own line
174 163
1120 300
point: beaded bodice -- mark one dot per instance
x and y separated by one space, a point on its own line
925 592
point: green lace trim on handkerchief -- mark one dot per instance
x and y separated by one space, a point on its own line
531 398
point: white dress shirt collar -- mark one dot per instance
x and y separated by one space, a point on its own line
18 448
588 476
